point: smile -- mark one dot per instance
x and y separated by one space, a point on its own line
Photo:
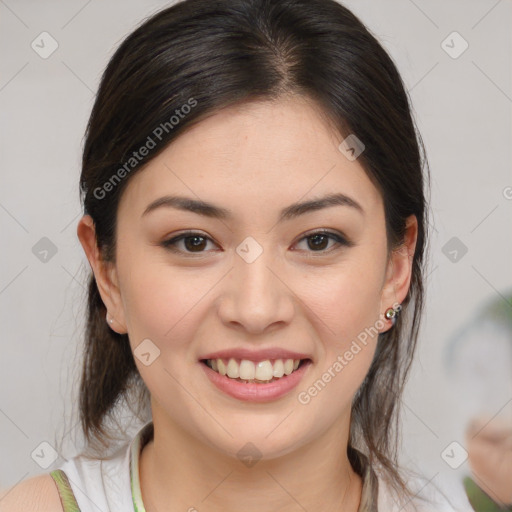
252 381
245 370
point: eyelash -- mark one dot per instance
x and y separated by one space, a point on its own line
171 243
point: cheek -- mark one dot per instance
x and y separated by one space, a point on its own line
344 313
344 305
346 299
163 303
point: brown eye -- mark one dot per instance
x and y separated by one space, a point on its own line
193 243
319 241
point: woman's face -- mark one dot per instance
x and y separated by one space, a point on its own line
254 279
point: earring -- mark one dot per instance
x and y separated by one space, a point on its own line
392 313
109 320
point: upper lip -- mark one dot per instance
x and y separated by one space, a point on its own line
255 355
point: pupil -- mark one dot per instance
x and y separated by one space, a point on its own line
194 245
316 237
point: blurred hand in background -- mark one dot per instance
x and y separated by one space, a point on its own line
489 445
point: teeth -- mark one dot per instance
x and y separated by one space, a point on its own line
221 367
233 369
263 371
278 368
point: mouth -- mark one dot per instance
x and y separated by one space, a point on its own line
255 381
255 372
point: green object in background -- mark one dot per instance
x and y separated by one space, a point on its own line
480 501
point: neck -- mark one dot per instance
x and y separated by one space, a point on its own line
178 472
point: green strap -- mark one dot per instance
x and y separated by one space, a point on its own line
67 498
139 441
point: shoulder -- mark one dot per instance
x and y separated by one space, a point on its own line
36 494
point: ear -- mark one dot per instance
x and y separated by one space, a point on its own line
399 271
105 274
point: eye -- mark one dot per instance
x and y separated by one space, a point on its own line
195 242
318 240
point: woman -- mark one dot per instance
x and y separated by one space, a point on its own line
255 220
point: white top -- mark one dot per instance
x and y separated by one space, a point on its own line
113 485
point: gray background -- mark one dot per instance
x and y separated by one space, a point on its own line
462 107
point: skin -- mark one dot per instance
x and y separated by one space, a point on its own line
489 445
253 159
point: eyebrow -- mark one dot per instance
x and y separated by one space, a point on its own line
216 212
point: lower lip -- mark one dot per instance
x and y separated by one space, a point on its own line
252 392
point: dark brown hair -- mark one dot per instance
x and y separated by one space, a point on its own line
209 55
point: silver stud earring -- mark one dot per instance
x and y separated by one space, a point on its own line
109 320
392 313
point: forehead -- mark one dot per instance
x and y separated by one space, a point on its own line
255 155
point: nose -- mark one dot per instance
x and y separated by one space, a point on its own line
254 297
